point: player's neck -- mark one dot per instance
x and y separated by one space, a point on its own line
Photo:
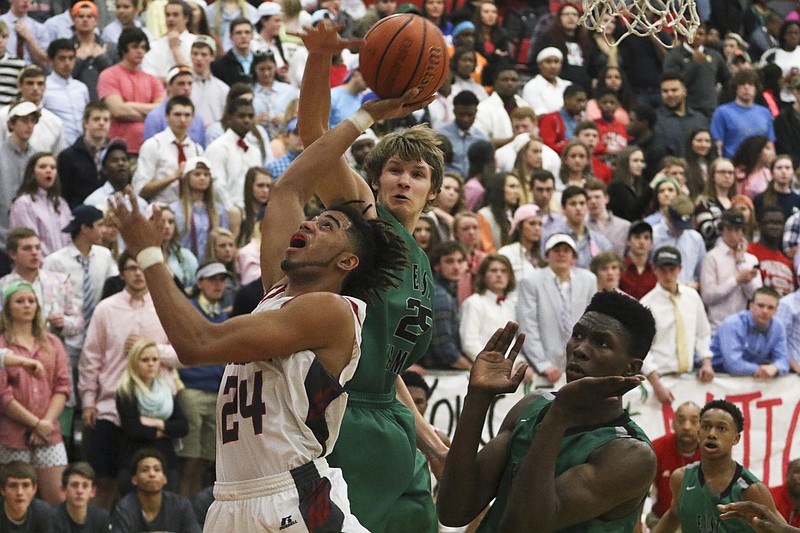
716 468
296 287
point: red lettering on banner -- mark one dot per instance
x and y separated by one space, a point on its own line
745 400
668 414
767 405
787 450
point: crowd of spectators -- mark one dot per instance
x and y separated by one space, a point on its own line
572 166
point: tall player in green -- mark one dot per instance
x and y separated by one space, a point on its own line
576 463
716 480
388 479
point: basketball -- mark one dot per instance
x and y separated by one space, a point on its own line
403 51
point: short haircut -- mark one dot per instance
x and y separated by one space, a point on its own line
638 229
645 113
123 258
769 291
129 36
18 470
187 9
465 98
729 408
570 192
31 71
586 125
504 66
147 453
605 91
573 89
673 161
16 235
414 379
446 248
744 77
595 185
480 282
672 76
602 259
414 144
94 106
523 112
542 175
235 104
238 21
57 46
636 319
179 100
78 468
770 209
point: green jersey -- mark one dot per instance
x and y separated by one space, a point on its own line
697 506
576 447
397 330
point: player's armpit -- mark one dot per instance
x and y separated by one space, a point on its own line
759 493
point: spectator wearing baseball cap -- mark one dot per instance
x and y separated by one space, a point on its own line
545 91
730 275
179 83
549 303
683 334
638 276
15 150
676 230
94 54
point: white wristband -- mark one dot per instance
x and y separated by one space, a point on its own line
362 120
152 255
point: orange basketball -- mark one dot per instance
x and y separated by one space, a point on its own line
403 51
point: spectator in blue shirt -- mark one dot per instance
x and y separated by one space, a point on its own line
789 315
735 121
751 343
462 132
179 82
449 261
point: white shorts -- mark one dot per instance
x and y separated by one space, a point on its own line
48 456
311 498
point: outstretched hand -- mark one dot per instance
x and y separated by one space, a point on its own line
576 395
492 371
387 108
137 232
324 38
759 517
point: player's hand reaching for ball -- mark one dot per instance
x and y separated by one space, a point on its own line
760 518
324 38
137 232
493 372
387 108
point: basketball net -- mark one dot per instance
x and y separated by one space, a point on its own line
642 18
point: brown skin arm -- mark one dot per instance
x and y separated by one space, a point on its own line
318 321
670 521
760 517
613 483
760 494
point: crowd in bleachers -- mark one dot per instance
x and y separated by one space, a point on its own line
573 166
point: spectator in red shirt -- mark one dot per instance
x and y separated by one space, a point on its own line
776 269
787 496
587 133
674 450
613 136
558 128
638 276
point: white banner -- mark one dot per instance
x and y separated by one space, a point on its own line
771 410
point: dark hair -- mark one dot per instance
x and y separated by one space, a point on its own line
95 105
16 235
31 71
572 90
234 105
784 28
495 200
560 37
622 170
542 175
586 125
123 258
129 36
59 45
605 91
460 51
30 187
251 219
570 192
645 113
17 470
414 379
185 7
446 248
479 154
638 229
624 94
769 291
78 468
179 100
672 76
595 185
381 252
238 21
744 77
748 153
694 173
147 453
768 209
465 98
258 58
480 281
636 319
729 408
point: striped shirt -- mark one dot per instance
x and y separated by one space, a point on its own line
10 68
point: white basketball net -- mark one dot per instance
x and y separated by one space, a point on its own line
643 17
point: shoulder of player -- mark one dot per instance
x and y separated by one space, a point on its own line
632 458
757 492
322 307
515 413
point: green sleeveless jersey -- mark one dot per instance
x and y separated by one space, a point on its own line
577 445
397 330
697 506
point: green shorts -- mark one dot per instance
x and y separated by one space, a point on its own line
388 481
